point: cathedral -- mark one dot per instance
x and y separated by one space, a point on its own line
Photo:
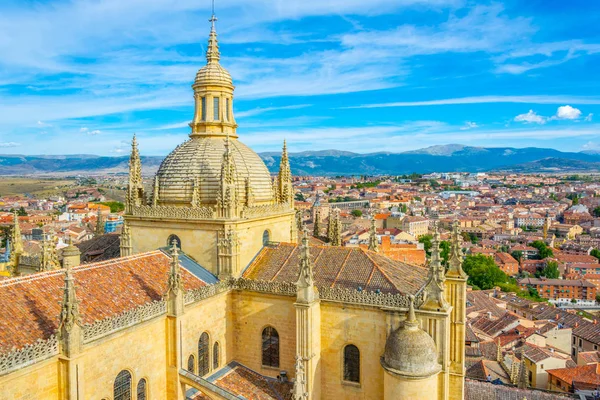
220 293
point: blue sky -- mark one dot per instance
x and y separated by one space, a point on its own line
82 76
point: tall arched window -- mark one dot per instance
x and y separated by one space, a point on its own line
216 355
191 364
216 115
122 387
141 390
266 237
176 239
270 347
203 362
351 363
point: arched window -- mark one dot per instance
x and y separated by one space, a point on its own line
351 363
203 109
216 355
216 115
122 387
176 239
203 362
191 364
270 347
141 390
266 237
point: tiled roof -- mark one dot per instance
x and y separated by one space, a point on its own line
483 368
341 267
581 328
477 390
555 282
590 357
242 381
480 301
100 248
587 374
31 304
494 327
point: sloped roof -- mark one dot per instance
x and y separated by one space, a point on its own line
339 267
476 390
242 381
588 374
100 248
31 304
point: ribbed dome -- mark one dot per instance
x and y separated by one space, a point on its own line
410 351
201 157
213 74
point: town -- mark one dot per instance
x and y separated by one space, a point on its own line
531 246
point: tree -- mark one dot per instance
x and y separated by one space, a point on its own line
356 213
544 251
595 253
550 271
426 240
21 212
517 255
573 301
115 206
299 197
445 251
596 211
403 208
598 298
483 272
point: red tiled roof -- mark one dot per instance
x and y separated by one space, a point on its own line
31 304
243 381
342 267
588 374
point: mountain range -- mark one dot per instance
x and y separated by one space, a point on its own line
452 157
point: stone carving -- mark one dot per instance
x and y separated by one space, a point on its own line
373 240
264 210
354 296
135 188
129 318
281 288
205 292
173 212
28 355
299 390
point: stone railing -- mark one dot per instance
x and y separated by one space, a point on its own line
265 210
173 212
353 296
30 354
31 261
129 318
280 288
205 292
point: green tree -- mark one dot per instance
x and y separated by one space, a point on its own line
299 197
403 208
596 211
550 271
115 206
595 253
544 251
356 213
426 240
21 212
517 255
483 272
445 251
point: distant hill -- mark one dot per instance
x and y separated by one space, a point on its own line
452 157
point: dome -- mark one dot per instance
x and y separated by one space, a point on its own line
199 160
213 74
410 351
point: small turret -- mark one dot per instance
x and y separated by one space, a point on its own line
71 255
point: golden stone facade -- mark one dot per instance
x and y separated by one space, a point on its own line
231 305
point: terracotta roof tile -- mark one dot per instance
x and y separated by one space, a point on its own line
251 385
343 267
32 303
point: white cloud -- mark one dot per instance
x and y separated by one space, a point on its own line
84 130
9 144
95 132
537 99
589 117
89 132
469 125
530 117
568 112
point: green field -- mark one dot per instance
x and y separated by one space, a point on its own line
38 188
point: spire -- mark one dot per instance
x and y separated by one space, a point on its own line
125 240
299 391
175 284
99 223
212 52
334 230
69 327
284 179
306 292
411 321
17 240
317 223
373 241
523 378
456 255
155 191
299 222
498 351
135 187
227 199
434 288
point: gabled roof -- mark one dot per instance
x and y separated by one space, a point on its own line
338 267
31 304
587 374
